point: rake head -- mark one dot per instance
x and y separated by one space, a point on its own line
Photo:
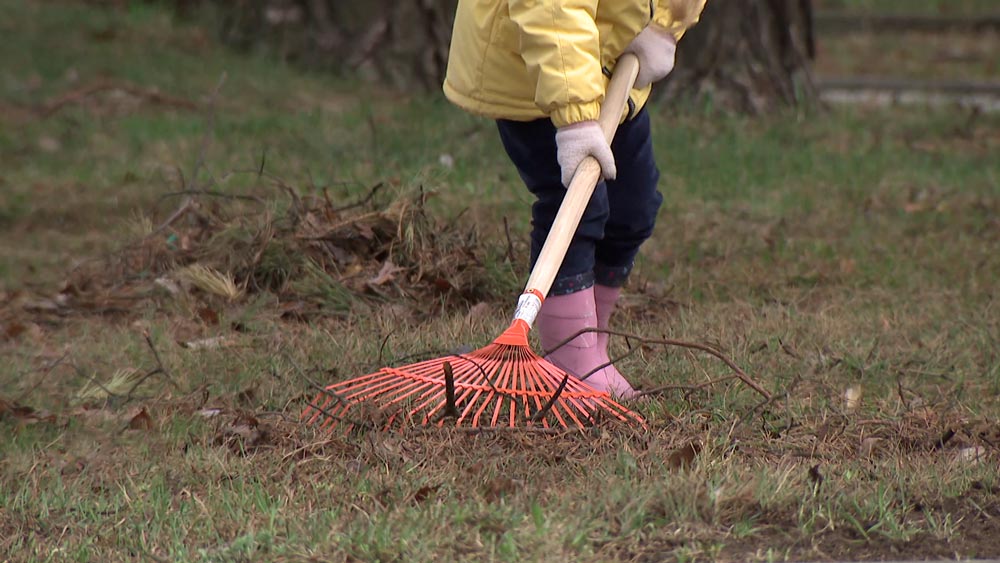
501 384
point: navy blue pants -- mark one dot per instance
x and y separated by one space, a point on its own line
620 216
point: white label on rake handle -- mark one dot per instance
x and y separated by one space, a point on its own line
528 306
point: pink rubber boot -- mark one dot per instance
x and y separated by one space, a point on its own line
605 298
561 317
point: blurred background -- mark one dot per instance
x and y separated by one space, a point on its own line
749 54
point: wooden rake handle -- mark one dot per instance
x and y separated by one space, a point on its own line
584 181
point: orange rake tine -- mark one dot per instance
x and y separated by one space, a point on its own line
501 384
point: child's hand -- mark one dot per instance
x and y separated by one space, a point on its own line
578 141
655 48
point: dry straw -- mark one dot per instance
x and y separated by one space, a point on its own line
210 281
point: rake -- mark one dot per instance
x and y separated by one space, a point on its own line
503 383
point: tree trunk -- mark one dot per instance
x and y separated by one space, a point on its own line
748 55
399 43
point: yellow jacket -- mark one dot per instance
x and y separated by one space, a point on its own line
526 59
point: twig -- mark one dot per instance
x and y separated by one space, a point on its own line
181 210
211 193
450 408
385 342
746 379
330 415
206 140
328 393
158 370
306 447
552 400
50 107
156 355
48 370
371 194
510 243
689 388
746 416
325 391
901 392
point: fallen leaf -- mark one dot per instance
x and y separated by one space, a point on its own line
852 397
141 420
24 414
13 330
209 413
498 488
247 396
423 493
870 446
815 477
73 466
386 274
243 434
683 457
365 231
208 315
169 285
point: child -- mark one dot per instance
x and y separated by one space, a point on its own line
540 68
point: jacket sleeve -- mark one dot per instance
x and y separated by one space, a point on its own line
560 46
676 16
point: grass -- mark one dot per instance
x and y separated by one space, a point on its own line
935 57
922 7
849 249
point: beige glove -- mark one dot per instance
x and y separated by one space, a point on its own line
578 141
655 48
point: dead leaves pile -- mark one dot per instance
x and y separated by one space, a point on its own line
315 257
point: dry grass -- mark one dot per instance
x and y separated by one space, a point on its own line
211 281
